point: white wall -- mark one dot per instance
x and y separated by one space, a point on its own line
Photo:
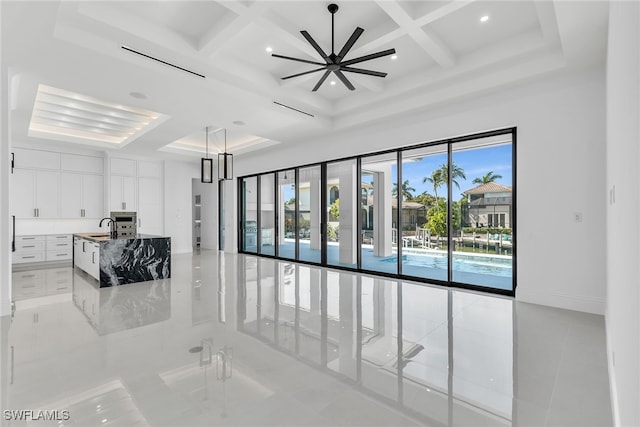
623 232
178 204
5 214
560 160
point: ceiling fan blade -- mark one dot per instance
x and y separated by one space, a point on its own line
315 45
322 79
361 71
344 80
302 74
297 59
349 44
368 57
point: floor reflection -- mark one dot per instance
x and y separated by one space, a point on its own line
436 353
240 340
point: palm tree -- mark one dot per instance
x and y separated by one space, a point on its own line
406 190
439 176
436 180
487 178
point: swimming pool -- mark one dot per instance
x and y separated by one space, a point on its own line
495 265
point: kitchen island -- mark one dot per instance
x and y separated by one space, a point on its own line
115 261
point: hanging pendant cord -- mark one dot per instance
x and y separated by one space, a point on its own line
206 129
332 34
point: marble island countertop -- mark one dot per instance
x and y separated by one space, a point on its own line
104 237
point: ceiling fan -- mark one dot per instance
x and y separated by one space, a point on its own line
335 63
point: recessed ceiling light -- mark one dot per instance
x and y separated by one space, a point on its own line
394 57
333 82
484 18
238 122
269 49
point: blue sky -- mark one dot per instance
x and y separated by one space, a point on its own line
475 163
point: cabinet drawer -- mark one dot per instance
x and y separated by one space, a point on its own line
59 255
34 238
58 238
59 246
27 246
19 258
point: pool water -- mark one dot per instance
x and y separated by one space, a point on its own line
479 264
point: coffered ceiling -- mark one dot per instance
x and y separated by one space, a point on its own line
446 53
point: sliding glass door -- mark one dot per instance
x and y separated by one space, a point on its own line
287 214
309 212
483 213
440 212
424 222
342 195
379 213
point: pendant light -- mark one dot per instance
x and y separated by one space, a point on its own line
206 164
225 162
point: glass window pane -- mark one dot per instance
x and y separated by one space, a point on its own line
287 214
342 201
309 239
250 214
378 218
267 214
482 214
424 192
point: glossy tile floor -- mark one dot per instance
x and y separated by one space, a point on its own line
238 340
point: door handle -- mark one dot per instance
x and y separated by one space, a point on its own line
13 233
93 257
35 212
83 249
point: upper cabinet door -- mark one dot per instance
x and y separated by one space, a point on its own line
93 196
124 167
47 194
71 195
115 193
23 193
36 159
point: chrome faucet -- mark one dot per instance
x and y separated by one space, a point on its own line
112 229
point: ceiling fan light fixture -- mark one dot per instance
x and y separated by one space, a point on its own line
335 63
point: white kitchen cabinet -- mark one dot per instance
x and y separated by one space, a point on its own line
35 193
85 164
123 167
36 159
82 195
86 256
24 193
122 193
81 253
93 267
29 249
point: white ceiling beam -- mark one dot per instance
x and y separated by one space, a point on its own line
216 37
546 12
433 47
441 12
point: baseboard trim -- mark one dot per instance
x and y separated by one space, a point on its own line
559 300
